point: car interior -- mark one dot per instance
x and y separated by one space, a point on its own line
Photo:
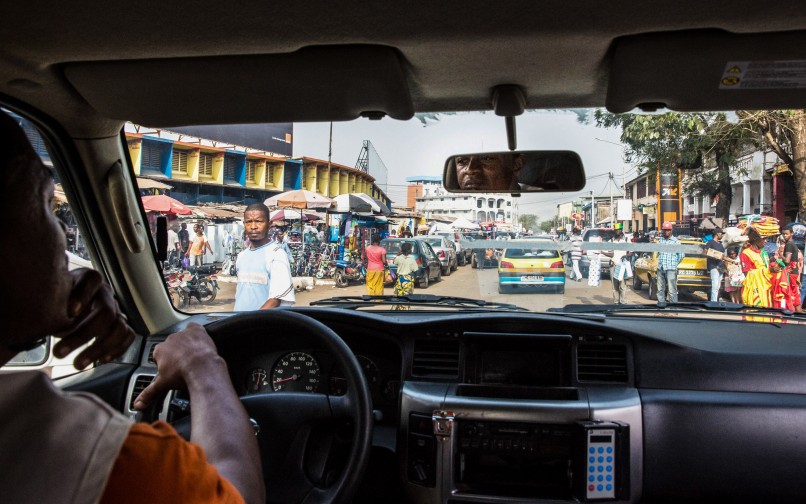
477 403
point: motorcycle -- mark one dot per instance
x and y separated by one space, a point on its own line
349 270
173 281
200 283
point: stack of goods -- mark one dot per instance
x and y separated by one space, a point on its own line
765 225
733 236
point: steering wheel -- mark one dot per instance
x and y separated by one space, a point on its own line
300 435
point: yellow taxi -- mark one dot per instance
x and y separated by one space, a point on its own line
531 268
692 273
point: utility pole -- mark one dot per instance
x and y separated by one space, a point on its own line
593 204
612 216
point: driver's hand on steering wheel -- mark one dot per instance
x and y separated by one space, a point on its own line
182 355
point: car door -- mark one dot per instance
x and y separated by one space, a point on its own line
431 259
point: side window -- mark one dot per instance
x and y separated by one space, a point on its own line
77 257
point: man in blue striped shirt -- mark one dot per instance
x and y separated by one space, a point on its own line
667 266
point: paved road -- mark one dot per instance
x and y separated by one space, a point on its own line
465 282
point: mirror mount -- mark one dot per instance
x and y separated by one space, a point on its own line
509 101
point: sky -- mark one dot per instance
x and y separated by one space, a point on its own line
417 147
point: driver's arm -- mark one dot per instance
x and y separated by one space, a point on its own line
219 423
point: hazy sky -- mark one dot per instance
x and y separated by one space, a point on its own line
410 148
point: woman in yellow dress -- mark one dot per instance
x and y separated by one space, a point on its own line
757 287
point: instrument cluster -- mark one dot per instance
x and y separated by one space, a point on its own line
316 372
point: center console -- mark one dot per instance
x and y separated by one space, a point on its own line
518 427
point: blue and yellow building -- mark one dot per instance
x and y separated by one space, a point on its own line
211 171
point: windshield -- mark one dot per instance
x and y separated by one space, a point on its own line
684 233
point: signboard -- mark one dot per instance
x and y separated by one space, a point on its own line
275 138
624 209
669 196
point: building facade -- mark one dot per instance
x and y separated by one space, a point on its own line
432 200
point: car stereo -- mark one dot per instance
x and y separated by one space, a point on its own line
583 461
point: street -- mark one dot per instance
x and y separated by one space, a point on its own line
464 282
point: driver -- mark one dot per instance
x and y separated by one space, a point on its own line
73 447
489 172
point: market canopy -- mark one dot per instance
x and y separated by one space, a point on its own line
292 215
463 223
299 198
147 183
353 202
166 205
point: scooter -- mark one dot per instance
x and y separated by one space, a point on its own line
349 270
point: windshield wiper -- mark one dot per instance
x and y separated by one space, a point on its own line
354 302
613 308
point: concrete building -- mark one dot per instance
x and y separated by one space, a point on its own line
432 200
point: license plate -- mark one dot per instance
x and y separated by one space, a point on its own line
692 272
532 278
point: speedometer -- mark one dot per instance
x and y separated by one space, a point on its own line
295 372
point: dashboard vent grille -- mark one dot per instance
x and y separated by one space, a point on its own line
151 354
436 359
602 363
140 383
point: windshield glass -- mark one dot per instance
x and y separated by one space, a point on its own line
674 220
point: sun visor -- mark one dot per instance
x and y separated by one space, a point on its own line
312 84
708 70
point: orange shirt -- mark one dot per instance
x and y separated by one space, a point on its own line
156 465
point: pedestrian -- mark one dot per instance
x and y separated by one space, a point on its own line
375 258
622 270
406 270
755 261
576 254
281 239
197 247
667 266
716 266
734 278
264 274
75 447
184 237
793 261
406 233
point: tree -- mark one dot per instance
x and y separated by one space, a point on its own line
528 221
784 131
674 140
546 226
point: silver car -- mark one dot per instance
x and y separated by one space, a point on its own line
445 250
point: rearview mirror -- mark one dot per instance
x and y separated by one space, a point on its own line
514 172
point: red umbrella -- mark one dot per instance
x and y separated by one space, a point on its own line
165 204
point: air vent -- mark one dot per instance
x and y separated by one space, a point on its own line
140 384
436 359
151 354
605 363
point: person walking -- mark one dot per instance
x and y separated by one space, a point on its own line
716 267
184 237
196 249
375 258
734 278
264 275
793 261
622 270
757 275
406 269
667 266
576 254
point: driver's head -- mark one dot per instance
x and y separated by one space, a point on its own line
494 172
39 277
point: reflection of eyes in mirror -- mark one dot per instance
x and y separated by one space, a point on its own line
531 171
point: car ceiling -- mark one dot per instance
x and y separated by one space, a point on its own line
168 63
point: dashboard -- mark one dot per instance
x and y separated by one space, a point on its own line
476 407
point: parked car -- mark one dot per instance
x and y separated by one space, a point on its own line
692 272
430 267
522 269
463 253
446 252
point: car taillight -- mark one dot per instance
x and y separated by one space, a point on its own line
419 262
442 254
556 264
506 264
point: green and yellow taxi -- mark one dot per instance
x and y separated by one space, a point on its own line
692 273
531 267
